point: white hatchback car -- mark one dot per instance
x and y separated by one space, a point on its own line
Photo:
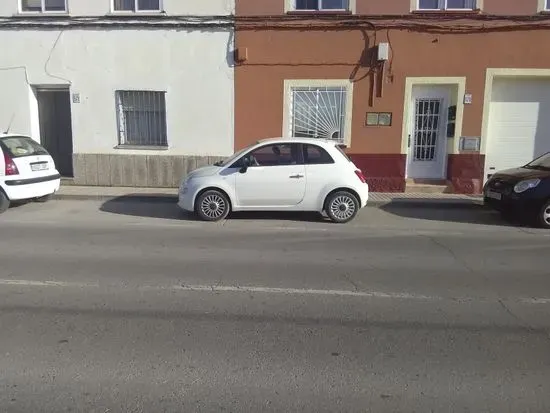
295 174
27 171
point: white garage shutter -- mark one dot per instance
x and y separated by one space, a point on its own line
519 123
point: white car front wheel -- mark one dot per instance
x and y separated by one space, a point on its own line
212 205
342 207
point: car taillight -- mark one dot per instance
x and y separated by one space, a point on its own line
360 176
10 167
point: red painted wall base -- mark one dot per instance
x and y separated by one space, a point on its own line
384 172
465 172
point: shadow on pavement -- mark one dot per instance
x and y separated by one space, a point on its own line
468 214
165 207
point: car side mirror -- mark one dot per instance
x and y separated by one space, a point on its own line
246 164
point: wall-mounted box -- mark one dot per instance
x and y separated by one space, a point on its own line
470 143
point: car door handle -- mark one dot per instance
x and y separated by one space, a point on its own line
296 176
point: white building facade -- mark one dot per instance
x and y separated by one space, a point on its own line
121 92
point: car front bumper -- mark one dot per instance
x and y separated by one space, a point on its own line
186 198
512 203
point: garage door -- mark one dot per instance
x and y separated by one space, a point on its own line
519 123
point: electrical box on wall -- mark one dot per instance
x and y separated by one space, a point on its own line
383 51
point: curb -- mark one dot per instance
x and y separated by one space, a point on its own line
428 204
425 203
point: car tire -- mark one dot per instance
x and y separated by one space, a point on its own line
212 205
44 198
4 202
342 207
543 219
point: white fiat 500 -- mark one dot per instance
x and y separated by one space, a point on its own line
27 171
295 174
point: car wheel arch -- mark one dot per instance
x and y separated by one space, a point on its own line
214 188
340 189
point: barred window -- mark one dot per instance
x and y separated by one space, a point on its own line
321 4
318 112
137 5
41 6
141 118
446 4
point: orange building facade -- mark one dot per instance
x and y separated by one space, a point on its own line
417 92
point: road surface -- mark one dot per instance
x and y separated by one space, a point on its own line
126 307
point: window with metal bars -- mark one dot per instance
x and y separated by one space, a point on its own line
447 4
137 5
141 118
44 6
321 4
547 5
318 112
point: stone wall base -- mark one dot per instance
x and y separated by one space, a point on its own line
156 171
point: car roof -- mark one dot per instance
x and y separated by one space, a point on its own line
319 141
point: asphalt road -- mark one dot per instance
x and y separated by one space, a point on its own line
122 307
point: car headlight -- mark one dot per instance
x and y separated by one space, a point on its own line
525 185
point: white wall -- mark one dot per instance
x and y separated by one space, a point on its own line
103 7
192 67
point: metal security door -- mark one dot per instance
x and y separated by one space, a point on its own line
426 159
54 113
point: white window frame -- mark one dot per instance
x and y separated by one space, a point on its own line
136 9
290 5
543 6
442 6
289 85
44 11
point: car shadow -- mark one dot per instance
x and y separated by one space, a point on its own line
165 207
466 214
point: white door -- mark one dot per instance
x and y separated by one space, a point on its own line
519 123
276 179
427 143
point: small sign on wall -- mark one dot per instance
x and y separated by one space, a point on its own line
76 97
468 99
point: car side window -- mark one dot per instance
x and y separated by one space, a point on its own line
274 155
315 155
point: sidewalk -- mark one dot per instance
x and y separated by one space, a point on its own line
376 199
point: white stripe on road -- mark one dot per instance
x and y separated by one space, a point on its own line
299 291
31 283
270 290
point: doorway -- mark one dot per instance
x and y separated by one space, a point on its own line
427 133
54 115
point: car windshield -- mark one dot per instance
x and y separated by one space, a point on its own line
19 146
542 162
234 157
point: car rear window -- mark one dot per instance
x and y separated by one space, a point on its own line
20 146
342 152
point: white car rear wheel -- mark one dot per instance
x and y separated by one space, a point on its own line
4 202
212 206
342 207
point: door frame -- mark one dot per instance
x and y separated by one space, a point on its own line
54 88
453 84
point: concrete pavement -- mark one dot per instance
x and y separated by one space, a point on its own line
120 306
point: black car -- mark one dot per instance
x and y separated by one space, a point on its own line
523 192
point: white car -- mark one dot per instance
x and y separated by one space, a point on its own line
27 171
295 174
